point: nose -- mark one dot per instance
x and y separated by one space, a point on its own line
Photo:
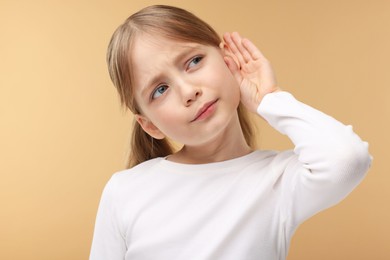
192 97
189 93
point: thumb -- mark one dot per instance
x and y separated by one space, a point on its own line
233 67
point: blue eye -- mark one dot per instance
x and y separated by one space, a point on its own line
159 91
195 61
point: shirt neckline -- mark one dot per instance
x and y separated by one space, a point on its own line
235 163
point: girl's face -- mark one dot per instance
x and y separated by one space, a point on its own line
185 91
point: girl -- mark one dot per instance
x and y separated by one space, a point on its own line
216 197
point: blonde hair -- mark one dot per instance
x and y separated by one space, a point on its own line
170 22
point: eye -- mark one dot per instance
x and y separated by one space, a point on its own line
159 91
194 61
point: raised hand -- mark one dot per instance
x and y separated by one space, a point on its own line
252 70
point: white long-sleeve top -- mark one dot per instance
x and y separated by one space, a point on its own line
246 208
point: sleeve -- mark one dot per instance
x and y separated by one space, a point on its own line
330 159
108 242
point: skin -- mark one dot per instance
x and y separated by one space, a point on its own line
174 81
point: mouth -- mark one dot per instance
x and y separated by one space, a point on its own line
205 111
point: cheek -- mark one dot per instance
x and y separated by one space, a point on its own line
168 123
230 86
225 72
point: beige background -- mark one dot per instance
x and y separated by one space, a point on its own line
63 133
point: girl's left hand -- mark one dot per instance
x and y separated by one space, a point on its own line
250 68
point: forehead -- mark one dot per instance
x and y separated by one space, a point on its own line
148 49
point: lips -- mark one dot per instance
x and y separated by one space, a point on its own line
205 110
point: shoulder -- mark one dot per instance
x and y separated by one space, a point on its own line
124 180
274 165
144 166
277 160
284 170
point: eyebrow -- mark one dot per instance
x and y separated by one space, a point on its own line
180 56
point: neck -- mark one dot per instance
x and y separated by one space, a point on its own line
229 144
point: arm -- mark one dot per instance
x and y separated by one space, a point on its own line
108 242
330 159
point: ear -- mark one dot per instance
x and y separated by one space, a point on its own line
149 127
229 56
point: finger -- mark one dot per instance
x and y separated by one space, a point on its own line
252 49
237 39
233 48
228 52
